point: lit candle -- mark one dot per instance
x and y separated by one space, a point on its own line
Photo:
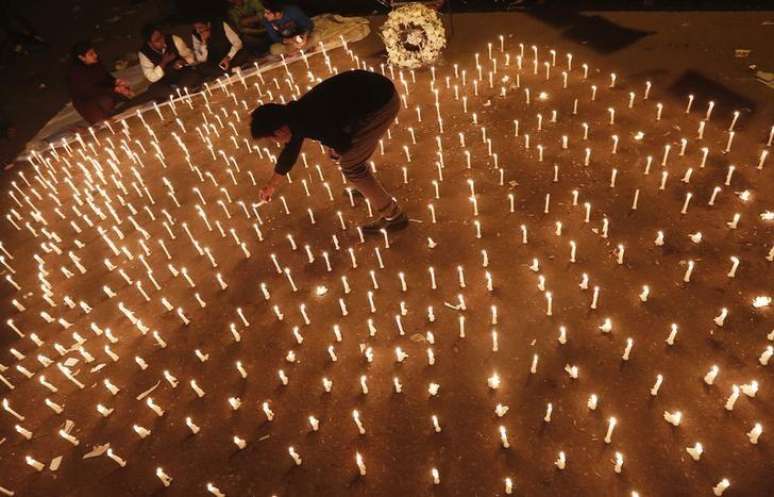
732 398
755 433
722 484
673 418
561 461
696 451
657 385
504 437
39 466
166 480
611 423
618 462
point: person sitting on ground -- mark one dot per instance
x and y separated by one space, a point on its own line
348 113
246 16
289 29
95 93
217 47
167 63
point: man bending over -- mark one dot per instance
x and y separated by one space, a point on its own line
348 113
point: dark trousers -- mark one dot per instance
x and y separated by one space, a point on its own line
365 139
97 109
211 69
187 77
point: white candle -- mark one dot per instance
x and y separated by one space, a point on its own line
657 385
734 266
213 489
672 335
696 451
141 431
766 355
611 423
193 427
561 461
34 463
121 462
732 398
689 271
722 484
750 389
755 433
709 378
618 462
293 454
673 418
361 467
721 318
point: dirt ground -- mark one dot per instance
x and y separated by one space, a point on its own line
401 447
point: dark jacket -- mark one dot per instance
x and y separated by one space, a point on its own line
332 111
218 44
87 82
155 56
293 23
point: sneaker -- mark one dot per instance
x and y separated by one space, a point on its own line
396 223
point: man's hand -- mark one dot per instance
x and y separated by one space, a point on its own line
167 58
225 63
179 64
301 40
266 192
270 187
333 155
124 90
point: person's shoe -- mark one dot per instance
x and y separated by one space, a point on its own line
395 223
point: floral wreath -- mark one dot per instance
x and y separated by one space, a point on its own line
413 35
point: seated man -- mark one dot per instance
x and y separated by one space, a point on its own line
289 29
167 63
94 91
246 16
216 47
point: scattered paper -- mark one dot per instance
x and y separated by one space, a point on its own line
55 463
149 391
70 362
98 367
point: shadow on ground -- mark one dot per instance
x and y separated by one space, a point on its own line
593 31
726 100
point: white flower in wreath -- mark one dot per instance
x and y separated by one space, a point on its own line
413 35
